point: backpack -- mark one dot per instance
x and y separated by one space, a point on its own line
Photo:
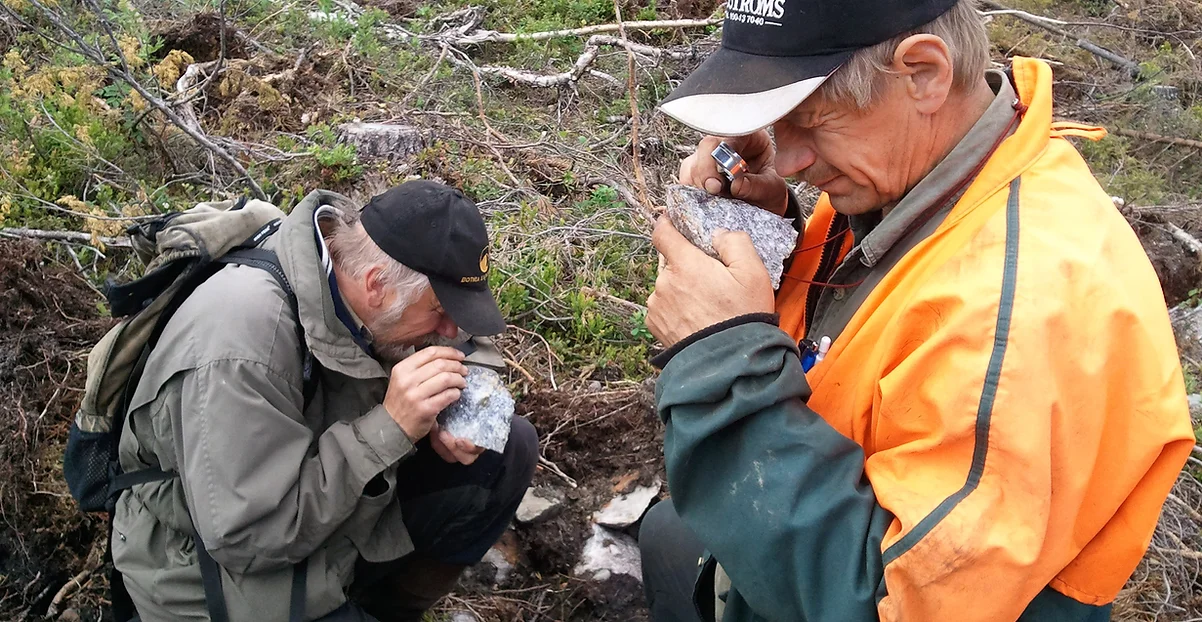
180 250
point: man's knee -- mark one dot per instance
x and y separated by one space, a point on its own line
519 460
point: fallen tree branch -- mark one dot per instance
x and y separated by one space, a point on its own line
1188 241
78 237
1052 25
488 36
455 39
1186 553
1157 138
553 468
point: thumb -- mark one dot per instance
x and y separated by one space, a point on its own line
766 190
672 246
736 251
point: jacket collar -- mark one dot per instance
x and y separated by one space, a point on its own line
328 338
1032 81
938 185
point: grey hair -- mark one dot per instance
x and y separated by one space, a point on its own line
355 253
859 80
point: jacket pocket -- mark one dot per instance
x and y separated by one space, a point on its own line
376 528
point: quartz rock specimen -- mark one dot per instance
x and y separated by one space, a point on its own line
697 214
539 504
608 553
626 510
483 411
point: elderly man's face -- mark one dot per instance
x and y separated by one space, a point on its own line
422 323
860 158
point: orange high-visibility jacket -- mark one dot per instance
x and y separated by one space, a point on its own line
1014 384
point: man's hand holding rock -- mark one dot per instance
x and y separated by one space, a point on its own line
421 386
761 185
695 291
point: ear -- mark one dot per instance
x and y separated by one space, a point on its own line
925 64
374 288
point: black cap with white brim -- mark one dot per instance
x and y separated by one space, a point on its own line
776 53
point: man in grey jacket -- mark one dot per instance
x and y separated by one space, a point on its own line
357 498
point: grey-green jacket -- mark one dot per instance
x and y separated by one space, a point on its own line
263 484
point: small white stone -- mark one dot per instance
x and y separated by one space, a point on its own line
463 616
496 558
626 510
1119 202
539 504
607 553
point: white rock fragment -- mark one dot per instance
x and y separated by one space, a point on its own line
463 616
626 510
382 140
483 412
502 567
539 504
326 16
608 553
697 214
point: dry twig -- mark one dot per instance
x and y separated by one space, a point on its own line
1051 25
1157 138
77 237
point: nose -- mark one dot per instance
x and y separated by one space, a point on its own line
794 151
447 327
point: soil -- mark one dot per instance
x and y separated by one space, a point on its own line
201 37
1180 272
48 322
608 442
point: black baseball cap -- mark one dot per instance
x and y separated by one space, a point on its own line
436 230
776 53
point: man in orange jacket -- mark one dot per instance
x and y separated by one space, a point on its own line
1000 412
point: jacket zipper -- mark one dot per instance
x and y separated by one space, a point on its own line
826 267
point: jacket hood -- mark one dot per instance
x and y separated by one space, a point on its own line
328 338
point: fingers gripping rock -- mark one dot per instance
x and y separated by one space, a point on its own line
697 214
483 412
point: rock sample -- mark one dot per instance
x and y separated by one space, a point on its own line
483 412
626 510
539 504
608 553
697 214
382 140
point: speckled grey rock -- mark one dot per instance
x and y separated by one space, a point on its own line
382 140
483 412
697 214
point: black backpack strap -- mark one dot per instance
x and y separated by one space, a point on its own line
267 261
296 606
210 577
122 481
